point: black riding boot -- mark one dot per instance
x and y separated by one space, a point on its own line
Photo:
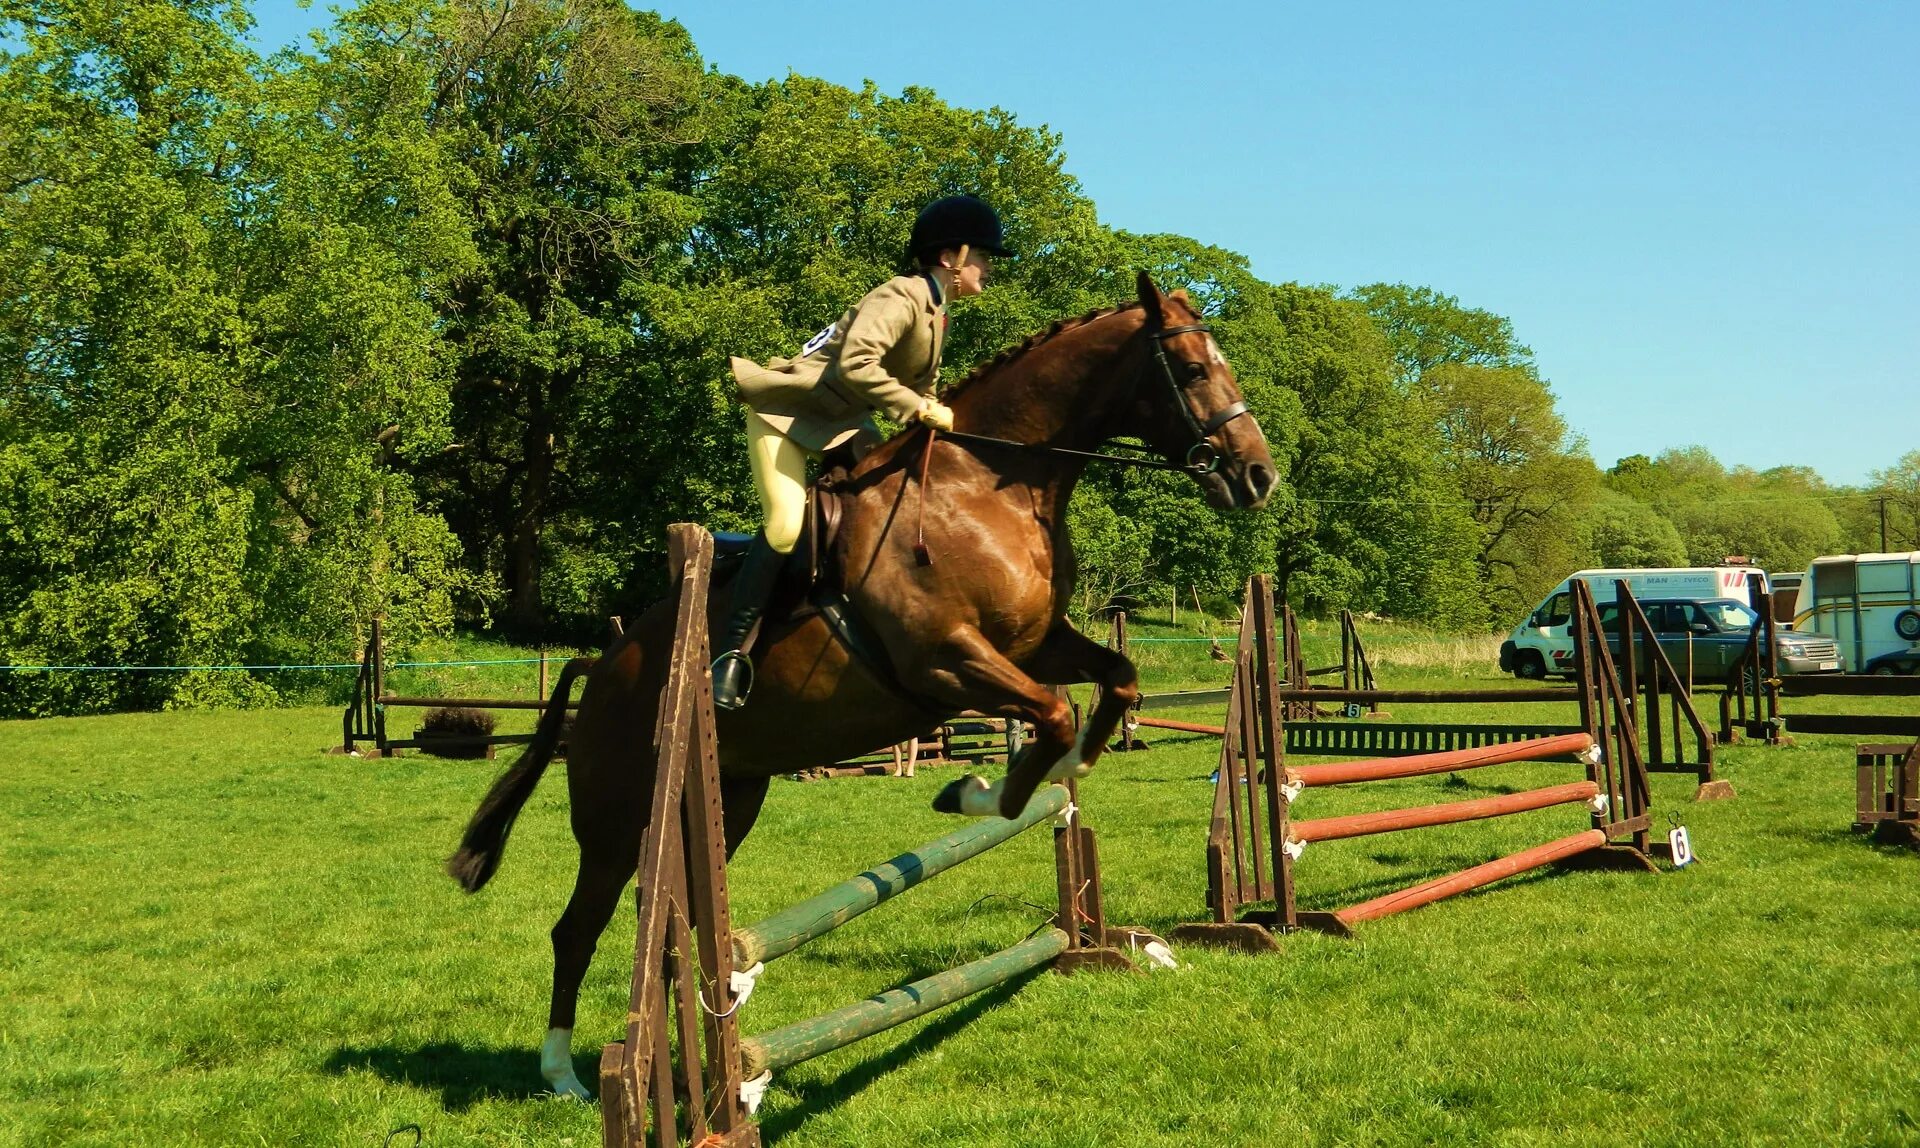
733 669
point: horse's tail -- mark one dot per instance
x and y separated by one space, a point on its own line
486 837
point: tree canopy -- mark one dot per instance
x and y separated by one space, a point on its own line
428 321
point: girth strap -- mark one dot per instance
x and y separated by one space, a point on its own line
864 646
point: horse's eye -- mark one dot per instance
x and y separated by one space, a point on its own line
1196 371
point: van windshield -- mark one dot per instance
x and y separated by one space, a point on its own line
1726 614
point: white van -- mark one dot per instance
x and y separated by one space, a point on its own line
1867 603
1543 643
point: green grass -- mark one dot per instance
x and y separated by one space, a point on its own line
216 934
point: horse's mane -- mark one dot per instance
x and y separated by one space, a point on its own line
1020 349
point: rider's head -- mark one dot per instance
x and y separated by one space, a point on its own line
955 239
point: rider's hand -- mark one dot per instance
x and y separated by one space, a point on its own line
936 414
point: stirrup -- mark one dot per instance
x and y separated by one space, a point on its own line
734 695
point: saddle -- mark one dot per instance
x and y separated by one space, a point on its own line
811 582
807 566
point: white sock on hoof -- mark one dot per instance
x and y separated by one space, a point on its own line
1074 764
977 798
556 1064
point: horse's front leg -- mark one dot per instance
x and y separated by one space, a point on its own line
1068 656
966 672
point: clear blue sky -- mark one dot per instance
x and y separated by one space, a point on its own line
1691 212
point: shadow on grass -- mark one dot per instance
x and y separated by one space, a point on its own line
816 1097
1838 836
463 1076
1329 902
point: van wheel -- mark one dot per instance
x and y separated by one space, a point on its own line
1907 624
1885 670
1530 665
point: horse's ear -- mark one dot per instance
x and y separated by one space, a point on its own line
1154 303
1180 293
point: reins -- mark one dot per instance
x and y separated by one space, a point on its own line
1202 458
1206 467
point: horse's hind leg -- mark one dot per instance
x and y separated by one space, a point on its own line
604 874
596 893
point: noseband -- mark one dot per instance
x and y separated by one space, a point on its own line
1202 458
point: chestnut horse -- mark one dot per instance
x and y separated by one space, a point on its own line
981 627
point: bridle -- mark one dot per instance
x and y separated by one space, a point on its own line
1201 457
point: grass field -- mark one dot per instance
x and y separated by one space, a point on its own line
216 934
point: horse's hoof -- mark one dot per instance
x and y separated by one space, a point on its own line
971 795
556 1065
948 799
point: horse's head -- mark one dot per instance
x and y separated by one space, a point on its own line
1188 406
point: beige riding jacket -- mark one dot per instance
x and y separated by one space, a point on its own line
883 354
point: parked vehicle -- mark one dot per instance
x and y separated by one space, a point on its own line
1713 633
1868 604
1543 643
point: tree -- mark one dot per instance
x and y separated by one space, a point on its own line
558 120
1626 533
1899 486
1425 328
1527 481
210 308
1778 518
1776 534
1374 522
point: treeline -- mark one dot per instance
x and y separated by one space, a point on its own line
430 319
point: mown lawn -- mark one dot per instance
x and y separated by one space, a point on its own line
216 934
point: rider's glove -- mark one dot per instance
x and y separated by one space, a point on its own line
935 414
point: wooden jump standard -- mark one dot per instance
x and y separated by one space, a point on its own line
1676 740
365 719
1355 670
684 1074
1887 776
1254 841
1888 783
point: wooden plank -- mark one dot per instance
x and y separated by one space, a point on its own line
1182 698
1445 813
468 703
826 911
1268 726
1348 772
1525 694
1454 884
1394 739
802 1040
1182 726
1849 685
1857 725
613 1112
690 562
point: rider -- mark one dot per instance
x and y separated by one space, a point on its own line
882 355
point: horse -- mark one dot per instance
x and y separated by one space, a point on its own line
969 609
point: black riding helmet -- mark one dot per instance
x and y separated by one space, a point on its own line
957 220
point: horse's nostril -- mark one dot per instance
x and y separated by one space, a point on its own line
1261 481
